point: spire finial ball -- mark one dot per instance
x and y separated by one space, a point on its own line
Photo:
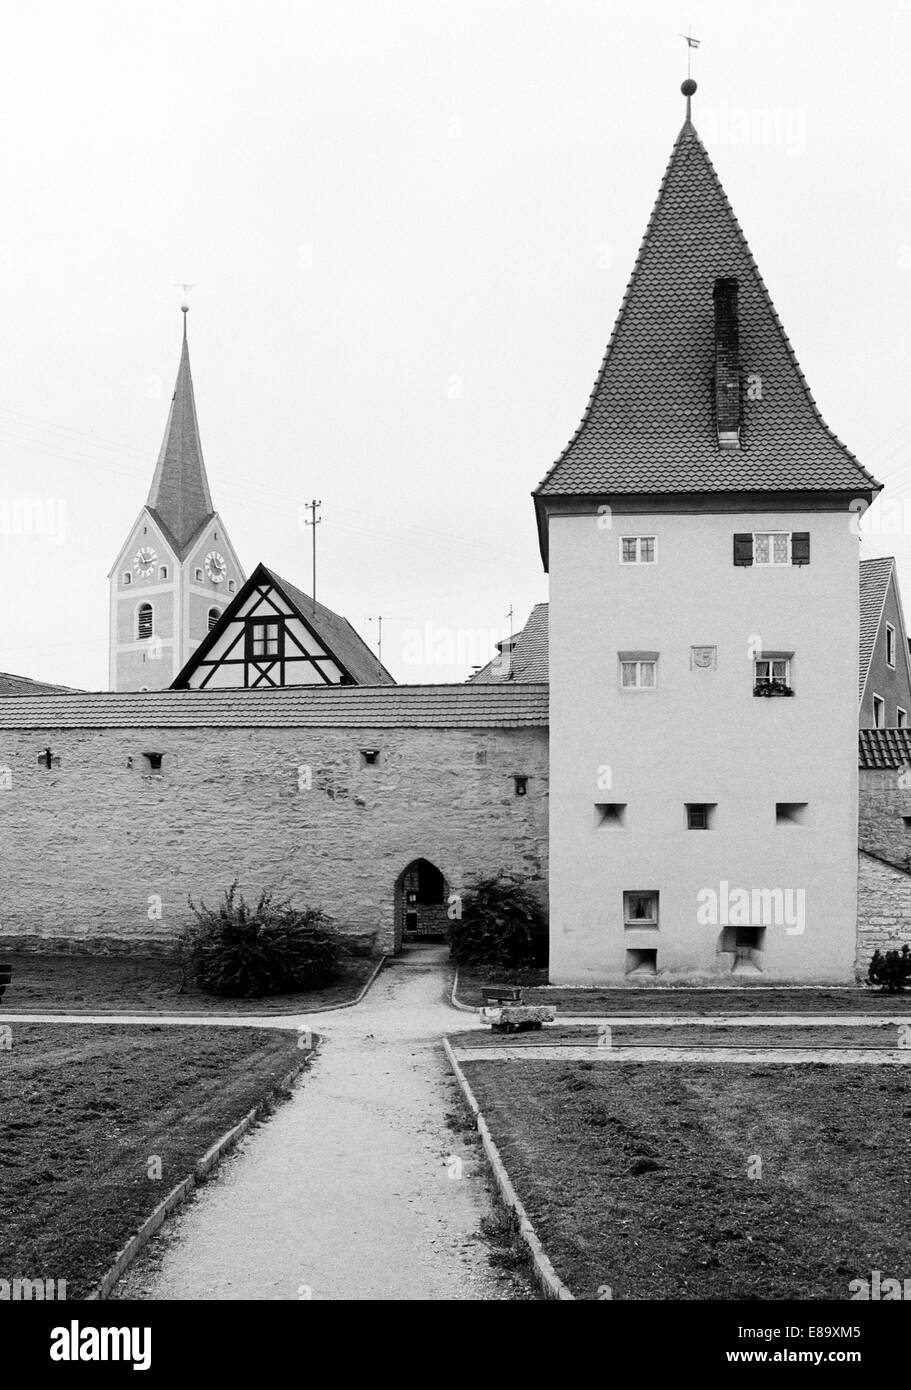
688 87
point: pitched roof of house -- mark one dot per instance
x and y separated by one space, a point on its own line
179 497
528 659
306 706
884 748
649 426
875 575
24 685
336 634
361 663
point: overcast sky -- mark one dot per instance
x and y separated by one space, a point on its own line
409 223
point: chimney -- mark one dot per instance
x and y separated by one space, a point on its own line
727 363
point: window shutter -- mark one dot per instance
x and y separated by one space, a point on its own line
800 548
743 548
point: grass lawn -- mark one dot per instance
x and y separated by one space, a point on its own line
85 1108
682 1035
44 983
636 1177
677 999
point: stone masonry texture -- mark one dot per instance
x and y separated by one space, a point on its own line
103 852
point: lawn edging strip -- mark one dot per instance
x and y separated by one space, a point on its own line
551 1283
204 1167
457 1003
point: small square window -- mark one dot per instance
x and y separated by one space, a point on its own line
611 814
890 645
772 547
640 909
699 815
638 550
370 757
638 671
772 675
790 812
154 760
521 786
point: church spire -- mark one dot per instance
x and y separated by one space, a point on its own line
179 496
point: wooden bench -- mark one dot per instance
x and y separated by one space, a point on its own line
6 974
501 994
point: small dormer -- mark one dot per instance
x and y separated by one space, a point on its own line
727 363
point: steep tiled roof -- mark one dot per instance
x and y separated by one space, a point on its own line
649 425
179 497
874 585
323 706
885 748
24 685
362 664
528 661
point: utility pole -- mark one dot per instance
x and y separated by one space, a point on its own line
311 508
379 645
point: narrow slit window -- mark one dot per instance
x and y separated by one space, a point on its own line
879 712
890 645
521 784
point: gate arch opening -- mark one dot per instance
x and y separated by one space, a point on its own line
421 893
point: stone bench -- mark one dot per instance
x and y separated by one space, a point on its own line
516 1018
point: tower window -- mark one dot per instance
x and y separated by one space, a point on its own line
213 617
879 712
127 577
162 571
890 645
638 550
231 586
521 786
144 621
901 717
197 575
640 909
370 757
638 670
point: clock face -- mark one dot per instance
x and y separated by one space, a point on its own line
143 561
215 566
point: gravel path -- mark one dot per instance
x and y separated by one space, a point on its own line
346 1193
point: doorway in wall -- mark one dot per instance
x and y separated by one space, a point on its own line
420 903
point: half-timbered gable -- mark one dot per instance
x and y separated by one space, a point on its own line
272 634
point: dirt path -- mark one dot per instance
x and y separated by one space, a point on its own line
346 1193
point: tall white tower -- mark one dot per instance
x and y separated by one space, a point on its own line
177 570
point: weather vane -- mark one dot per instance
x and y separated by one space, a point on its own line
184 308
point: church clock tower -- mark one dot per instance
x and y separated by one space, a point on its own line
177 570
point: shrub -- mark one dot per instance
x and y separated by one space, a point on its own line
502 924
891 971
246 952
